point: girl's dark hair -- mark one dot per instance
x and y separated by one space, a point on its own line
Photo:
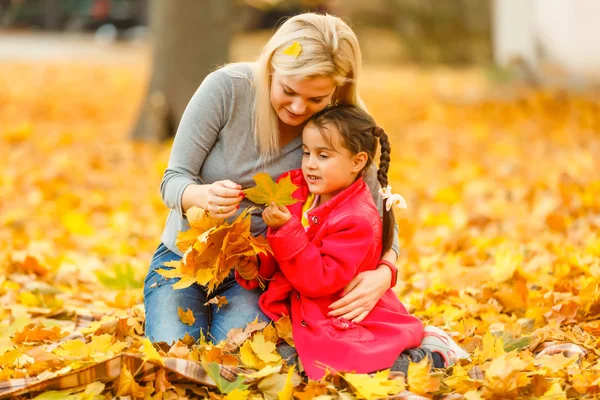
359 132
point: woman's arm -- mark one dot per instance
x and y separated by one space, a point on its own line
204 117
361 295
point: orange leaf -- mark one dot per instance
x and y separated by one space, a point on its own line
37 333
187 317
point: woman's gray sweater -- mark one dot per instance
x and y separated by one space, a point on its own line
215 141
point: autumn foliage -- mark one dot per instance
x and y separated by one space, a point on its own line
500 242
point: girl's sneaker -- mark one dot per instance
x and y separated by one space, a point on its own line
438 341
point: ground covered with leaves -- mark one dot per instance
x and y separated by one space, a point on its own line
500 242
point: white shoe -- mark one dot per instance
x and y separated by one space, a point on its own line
438 341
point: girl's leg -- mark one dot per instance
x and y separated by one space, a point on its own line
288 353
440 343
415 355
161 303
241 309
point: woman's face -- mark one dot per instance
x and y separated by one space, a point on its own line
295 99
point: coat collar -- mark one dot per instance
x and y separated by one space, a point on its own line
323 210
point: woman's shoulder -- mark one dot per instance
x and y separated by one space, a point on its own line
242 70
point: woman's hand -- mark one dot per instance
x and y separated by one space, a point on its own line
223 199
276 216
361 295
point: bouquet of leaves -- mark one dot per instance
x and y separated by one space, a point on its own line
213 246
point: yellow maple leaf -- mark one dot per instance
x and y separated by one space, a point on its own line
288 386
420 379
127 385
503 373
555 392
459 380
73 348
150 353
374 387
248 357
185 282
492 347
126 382
203 276
187 317
264 350
506 262
293 50
267 191
237 394
555 362
266 371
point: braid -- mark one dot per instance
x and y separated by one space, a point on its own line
384 165
384 159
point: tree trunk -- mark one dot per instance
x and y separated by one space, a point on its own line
190 39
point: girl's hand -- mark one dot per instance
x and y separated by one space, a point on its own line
361 295
247 267
223 199
276 216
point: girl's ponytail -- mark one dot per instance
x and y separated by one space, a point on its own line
384 166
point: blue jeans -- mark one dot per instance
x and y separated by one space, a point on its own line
161 302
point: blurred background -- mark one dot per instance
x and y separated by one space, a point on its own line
547 42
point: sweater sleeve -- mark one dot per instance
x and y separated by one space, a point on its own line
374 186
204 117
317 271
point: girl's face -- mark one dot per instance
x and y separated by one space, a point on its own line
327 166
295 99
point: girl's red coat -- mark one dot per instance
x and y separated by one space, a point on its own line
308 272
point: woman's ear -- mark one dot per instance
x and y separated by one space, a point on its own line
359 161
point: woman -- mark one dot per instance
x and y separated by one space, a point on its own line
248 118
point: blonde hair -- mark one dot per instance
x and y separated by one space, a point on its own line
329 48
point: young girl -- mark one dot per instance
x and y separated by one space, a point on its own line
321 243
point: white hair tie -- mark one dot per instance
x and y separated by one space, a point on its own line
390 199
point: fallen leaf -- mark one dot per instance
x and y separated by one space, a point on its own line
288 386
219 301
284 329
187 317
376 386
264 350
149 352
419 378
224 386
